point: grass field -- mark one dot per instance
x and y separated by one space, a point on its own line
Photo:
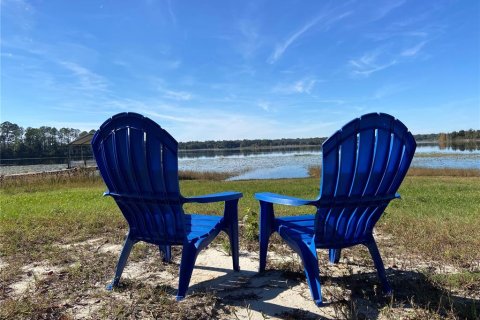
435 224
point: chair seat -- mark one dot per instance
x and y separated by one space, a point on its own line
200 226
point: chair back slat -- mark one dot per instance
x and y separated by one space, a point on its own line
380 161
367 158
122 142
366 149
347 166
138 161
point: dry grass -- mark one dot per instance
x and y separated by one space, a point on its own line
315 172
443 172
213 176
86 176
66 177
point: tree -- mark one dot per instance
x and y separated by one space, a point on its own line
10 133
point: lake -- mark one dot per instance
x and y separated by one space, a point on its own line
287 162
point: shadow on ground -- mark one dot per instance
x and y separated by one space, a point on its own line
356 296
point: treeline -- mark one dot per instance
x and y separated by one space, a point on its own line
249 144
44 142
50 142
460 135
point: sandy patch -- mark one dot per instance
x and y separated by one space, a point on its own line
32 272
274 294
253 295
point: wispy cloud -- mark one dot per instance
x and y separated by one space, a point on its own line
387 35
186 123
170 12
327 21
305 85
371 62
87 80
249 41
385 8
177 95
383 57
265 105
413 51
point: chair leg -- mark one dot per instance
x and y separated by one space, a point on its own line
308 254
127 247
189 255
166 250
233 236
266 229
334 255
377 260
232 230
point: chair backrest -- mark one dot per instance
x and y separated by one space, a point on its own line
137 159
363 166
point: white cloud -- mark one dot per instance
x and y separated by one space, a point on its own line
87 80
326 23
265 105
301 86
178 95
371 62
413 51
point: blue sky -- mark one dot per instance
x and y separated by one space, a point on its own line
241 69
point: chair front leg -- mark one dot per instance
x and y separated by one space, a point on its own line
122 261
308 254
189 255
267 220
231 228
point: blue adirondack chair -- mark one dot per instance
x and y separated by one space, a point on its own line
363 166
137 159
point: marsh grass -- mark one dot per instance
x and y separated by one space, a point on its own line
85 176
437 220
315 172
443 172
212 176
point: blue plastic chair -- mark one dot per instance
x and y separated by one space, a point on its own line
137 159
363 166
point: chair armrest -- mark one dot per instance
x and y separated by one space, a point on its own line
214 197
281 199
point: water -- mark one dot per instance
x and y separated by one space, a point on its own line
288 162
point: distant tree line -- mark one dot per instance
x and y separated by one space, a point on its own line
250 144
49 142
460 135
43 142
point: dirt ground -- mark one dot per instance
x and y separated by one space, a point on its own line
73 288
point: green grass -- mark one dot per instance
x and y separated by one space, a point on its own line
438 216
